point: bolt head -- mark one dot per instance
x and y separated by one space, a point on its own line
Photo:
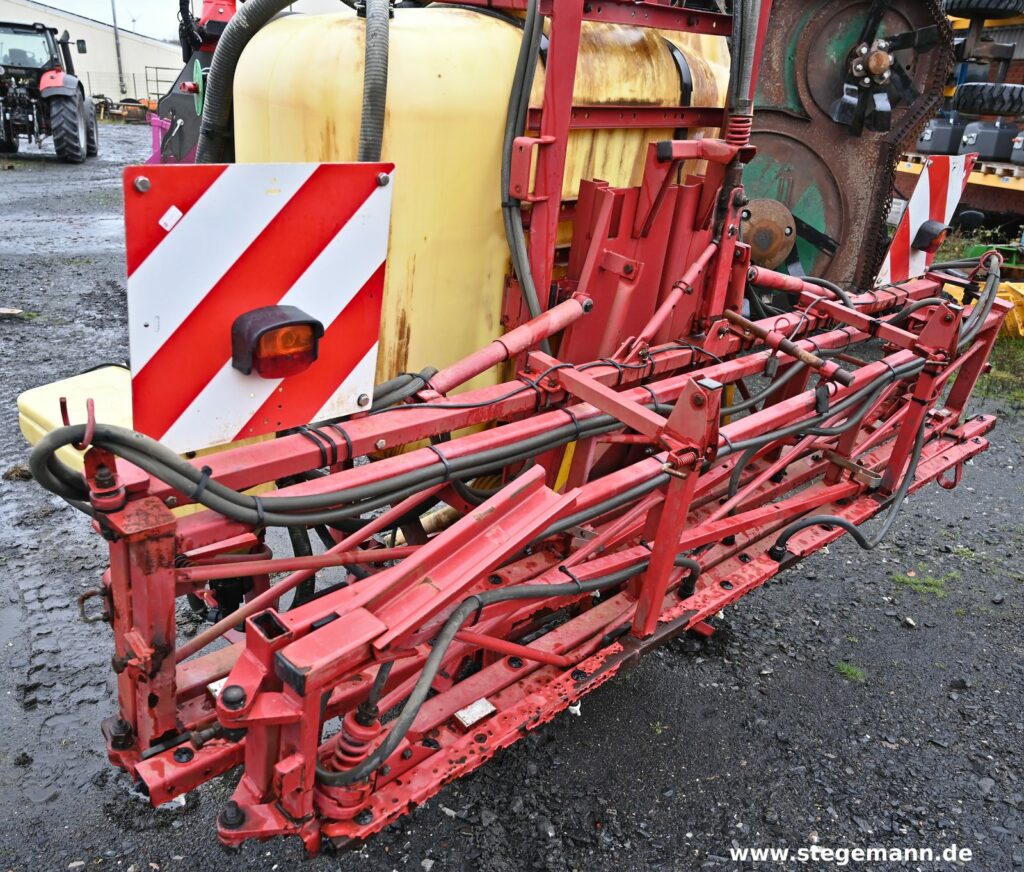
233 696
364 400
142 184
380 444
383 179
183 755
232 817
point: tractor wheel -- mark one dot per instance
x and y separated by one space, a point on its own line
985 98
9 147
67 123
92 133
985 8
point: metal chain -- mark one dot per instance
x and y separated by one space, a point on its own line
941 61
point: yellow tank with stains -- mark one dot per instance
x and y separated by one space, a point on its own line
298 93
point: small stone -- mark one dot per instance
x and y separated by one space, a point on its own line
998 599
427 864
76 864
960 684
985 785
910 622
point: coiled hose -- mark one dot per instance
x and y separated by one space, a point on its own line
215 137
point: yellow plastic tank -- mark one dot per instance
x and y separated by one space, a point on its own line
298 93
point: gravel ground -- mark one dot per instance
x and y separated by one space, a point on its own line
816 715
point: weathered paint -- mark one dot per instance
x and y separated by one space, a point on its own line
298 92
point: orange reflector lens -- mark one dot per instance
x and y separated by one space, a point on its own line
285 351
275 341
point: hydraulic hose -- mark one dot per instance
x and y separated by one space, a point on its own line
215 131
833 287
375 80
215 136
515 123
443 640
778 550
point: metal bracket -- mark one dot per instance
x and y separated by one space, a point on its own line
867 477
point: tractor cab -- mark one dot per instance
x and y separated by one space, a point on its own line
40 95
27 49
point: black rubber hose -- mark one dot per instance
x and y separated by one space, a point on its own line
215 137
161 462
393 392
778 550
302 547
375 80
400 726
833 287
795 369
515 123
904 313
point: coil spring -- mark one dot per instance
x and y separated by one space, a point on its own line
738 131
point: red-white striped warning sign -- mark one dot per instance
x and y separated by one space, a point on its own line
208 243
939 189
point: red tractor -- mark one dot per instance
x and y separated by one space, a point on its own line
41 96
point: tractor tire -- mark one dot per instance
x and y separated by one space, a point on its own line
9 147
985 98
69 128
92 133
984 8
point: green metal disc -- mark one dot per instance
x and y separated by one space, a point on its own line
199 77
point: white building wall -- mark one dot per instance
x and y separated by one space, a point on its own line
98 67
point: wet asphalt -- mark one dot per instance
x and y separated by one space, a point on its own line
817 714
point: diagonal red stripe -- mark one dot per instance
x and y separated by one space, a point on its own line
180 187
899 253
346 341
938 188
264 273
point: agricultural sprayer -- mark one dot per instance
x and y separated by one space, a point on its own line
471 310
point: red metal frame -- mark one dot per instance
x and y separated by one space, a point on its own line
649 341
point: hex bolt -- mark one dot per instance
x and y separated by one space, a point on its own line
494 579
383 179
380 444
233 697
121 735
232 816
515 662
183 755
628 269
104 477
364 817
142 184
364 400
407 754
171 502
588 306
